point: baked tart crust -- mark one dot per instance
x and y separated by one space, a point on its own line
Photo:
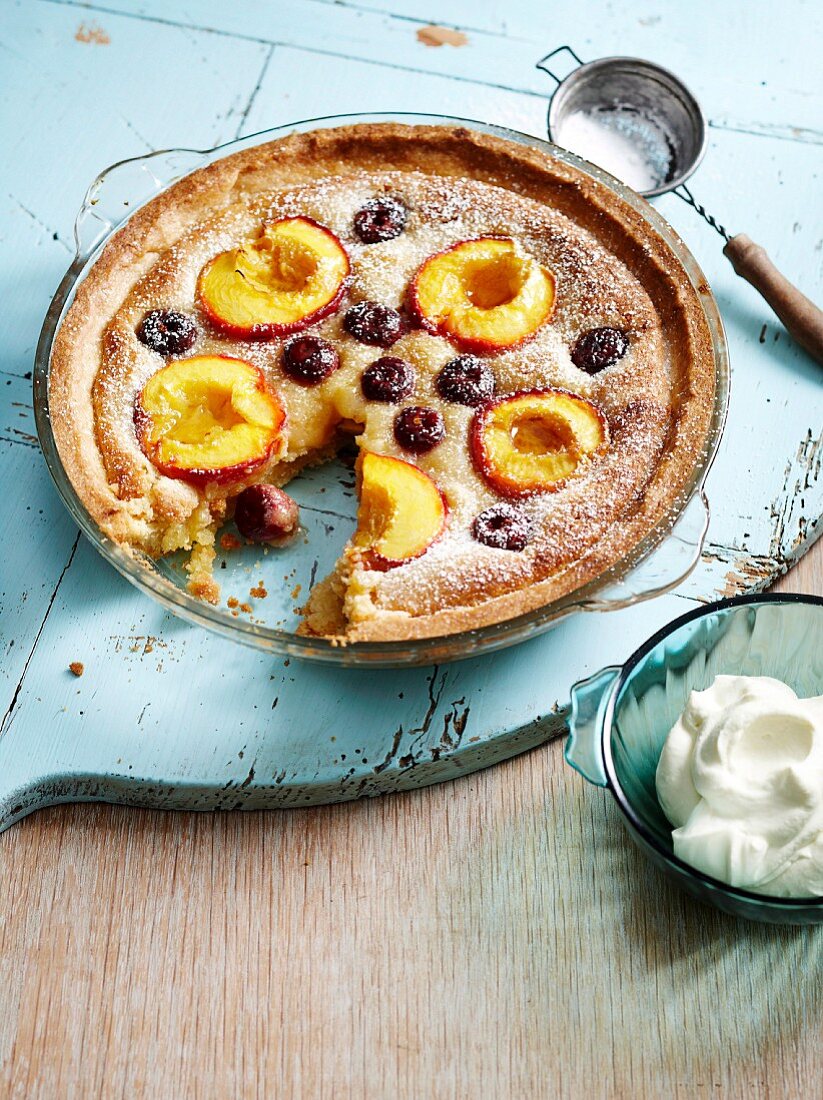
607 268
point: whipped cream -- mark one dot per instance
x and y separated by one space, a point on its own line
741 779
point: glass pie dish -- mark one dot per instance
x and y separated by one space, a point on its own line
622 715
326 494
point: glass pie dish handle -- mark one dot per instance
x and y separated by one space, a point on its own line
665 567
584 747
121 189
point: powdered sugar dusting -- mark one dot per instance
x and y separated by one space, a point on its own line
593 289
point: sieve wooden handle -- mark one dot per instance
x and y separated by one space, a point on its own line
802 318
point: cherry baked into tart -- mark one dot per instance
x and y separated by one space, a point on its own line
524 366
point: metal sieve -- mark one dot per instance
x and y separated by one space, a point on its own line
640 122
645 106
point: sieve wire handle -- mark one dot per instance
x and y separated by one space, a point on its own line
802 318
542 64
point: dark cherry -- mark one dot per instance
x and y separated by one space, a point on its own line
419 429
380 219
375 324
599 348
465 380
167 332
503 526
388 379
309 360
264 513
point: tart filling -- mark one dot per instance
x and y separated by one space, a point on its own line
529 387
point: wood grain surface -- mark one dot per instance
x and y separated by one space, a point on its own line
498 936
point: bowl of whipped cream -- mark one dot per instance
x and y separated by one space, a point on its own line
710 738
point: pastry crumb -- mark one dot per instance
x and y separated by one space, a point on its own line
259 592
228 541
199 567
205 588
246 607
77 668
233 601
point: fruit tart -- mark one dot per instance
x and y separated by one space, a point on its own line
523 365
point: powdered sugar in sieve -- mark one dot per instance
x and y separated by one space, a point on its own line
623 141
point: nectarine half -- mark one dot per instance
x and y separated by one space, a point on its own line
532 441
210 418
402 511
484 295
290 276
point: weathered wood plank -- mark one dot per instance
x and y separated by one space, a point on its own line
348 86
738 66
44 171
38 537
178 87
754 531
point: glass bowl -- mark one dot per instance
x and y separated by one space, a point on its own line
326 495
621 716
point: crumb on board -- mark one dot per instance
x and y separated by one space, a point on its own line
228 541
433 35
77 668
259 592
204 587
246 607
233 601
295 592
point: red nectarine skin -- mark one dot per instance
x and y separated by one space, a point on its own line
271 332
480 458
263 331
227 475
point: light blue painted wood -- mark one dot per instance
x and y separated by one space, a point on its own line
167 715
749 71
38 539
352 86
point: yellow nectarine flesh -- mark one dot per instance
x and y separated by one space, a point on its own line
402 511
531 442
288 277
485 295
208 418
